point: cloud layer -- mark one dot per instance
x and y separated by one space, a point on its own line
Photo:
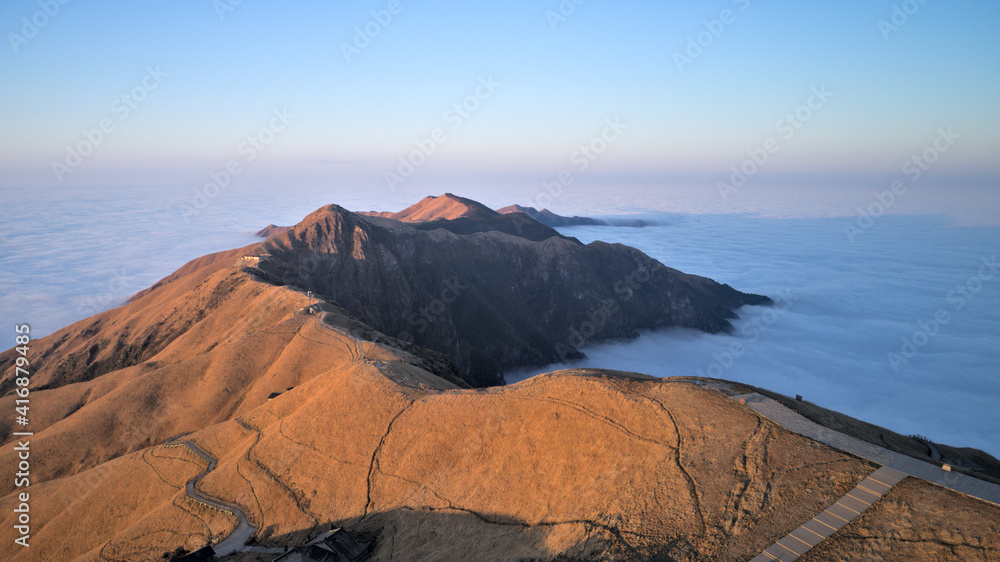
898 329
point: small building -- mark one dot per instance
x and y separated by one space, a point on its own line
336 545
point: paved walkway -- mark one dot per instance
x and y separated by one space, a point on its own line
895 467
243 531
789 419
814 531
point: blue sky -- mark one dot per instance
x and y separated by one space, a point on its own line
221 78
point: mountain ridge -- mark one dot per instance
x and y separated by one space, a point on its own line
526 294
548 218
452 207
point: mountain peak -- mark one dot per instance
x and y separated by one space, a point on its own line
441 207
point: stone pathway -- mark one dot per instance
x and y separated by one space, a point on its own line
895 467
793 421
814 531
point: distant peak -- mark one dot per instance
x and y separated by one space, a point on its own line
272 230
548 218
442 207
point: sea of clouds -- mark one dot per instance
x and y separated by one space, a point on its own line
897 324
900 329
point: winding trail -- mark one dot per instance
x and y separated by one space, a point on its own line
237 539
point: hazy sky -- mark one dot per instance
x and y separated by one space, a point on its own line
694 87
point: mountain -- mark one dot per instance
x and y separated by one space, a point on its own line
489 291
492 292
583 465
431 208
548 218
453 207
443 207
271 230
307 416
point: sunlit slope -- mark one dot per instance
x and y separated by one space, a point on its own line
589 464
232 341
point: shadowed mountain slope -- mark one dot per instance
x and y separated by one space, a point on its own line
485 296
